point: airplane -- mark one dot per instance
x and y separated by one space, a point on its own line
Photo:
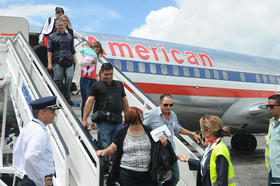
202 81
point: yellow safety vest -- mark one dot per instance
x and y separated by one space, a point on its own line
221 149
266 152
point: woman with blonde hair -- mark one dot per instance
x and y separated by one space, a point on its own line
215 167
68 25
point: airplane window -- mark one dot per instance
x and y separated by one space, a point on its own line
278 80
264 78
153 68
118 64
163 69
271 79
207 73
129 66
258 78
225 75
141 67
216 74
196 72
186 71
175 70
242 76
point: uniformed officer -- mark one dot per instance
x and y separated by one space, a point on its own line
33 153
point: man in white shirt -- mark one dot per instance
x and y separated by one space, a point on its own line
33 153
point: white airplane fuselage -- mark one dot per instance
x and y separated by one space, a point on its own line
202 81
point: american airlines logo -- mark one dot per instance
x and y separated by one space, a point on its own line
153 53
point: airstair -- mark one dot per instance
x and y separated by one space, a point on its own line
74 148
74 152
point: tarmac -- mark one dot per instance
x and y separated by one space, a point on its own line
249 167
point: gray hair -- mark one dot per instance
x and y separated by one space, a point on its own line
59 20
36 112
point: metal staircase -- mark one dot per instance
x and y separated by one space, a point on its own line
74 153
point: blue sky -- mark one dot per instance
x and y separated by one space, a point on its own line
250 26
108 16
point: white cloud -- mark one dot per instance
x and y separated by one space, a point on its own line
34 13
249 26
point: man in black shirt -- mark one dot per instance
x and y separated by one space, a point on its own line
110 99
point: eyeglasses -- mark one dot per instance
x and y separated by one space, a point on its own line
166 105
270 106
58 12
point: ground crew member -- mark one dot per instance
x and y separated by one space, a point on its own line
272 150
215 167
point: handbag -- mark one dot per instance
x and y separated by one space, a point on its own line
64 62
98 116
163 158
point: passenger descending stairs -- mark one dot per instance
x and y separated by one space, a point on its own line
74 150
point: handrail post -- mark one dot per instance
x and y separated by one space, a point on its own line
5 84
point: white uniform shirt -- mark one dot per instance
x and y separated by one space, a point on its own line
33 153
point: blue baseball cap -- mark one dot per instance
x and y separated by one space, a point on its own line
45 103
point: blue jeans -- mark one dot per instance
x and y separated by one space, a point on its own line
85 84
272 181
60 72
175 177
135 178
106 133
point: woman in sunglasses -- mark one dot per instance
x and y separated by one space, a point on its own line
215 167
49 26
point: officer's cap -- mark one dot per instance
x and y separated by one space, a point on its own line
45 103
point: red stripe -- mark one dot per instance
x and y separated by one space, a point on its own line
126 86
5 34
153 88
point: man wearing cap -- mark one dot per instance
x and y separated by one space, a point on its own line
33 153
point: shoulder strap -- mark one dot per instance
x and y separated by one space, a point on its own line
49 20
107 97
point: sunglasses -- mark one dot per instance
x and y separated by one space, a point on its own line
270 106
166 105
